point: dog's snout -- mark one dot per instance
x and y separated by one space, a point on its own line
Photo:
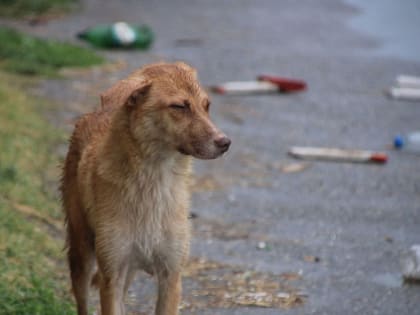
222 143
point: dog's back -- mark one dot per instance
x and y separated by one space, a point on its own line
89 128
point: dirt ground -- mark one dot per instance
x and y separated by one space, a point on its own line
273 235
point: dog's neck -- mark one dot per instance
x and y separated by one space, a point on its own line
121 152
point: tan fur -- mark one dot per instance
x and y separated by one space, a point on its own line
125 184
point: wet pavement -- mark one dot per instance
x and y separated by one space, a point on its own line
317 238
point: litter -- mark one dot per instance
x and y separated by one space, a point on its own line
312 259
118 35
263 84
407 88
284 84
294 167
245 87
283 295
263 246
224 286
410 94
338 155
407 81
410 264
409 142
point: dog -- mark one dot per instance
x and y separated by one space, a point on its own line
125 184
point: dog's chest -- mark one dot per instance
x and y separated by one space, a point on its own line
142 216
149 198
153 202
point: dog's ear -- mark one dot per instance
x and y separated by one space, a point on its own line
129 92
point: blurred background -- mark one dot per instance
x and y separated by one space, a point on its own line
272 234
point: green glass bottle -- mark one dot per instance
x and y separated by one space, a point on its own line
118 35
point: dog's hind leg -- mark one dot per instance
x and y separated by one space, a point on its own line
81 261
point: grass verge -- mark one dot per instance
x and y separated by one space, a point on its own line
25 54
32 277
25 8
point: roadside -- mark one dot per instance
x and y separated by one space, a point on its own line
33 275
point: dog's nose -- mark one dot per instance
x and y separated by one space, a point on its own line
223 143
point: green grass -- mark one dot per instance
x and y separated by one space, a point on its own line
25 54
24 8
33 278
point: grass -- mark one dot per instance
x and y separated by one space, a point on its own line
33 277
25 8
25 54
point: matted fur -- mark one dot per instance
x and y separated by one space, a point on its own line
125 184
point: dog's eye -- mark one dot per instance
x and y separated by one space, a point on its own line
178 106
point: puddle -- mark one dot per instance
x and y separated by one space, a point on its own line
388 280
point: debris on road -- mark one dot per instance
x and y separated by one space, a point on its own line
388 239
338 155
409 142
408 81
284 84
118 35
225 286
263 246
294 167
245 87
407 88
409 94
283 295
312 259
410 264
291 276
263 84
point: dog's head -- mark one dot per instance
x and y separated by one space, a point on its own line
167 106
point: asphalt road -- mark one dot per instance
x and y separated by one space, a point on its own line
357 219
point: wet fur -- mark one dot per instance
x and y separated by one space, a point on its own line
125 185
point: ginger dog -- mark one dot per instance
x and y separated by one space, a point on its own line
125 184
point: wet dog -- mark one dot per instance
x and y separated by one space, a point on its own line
125 185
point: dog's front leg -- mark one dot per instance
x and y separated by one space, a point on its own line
112 292
169 293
